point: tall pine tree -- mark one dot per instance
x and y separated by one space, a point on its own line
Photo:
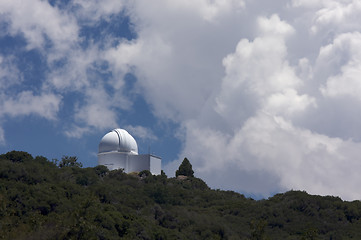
185 169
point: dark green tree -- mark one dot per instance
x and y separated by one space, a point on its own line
145 173
101 170
258 229
185 169
67 161
17 156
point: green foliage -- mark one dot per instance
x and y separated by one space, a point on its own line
258 229
17 156
39 200
67 161
101 170
145 173
185 169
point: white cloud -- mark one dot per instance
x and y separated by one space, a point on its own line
141 132
72 67
257 148
96 10
38 20
344 55
2 136
274 26
252 122
76 131
306 3
122 58
205 10
300 158
288 103
40 25
73 75
9 73
266 94
210 10
26 103
99 111
269 154
171 58
335 12
258 76
258 79
332 15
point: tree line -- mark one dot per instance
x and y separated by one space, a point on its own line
42 199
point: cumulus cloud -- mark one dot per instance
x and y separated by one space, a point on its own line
175 51
37 21
343 14
346 59
9 73
331 15
259 84
252 117
95 10
141 132
2 136
269 154
72 66
265 94
258 75
26 103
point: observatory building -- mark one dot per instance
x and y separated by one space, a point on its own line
118 149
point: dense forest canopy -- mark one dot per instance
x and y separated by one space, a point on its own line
42 199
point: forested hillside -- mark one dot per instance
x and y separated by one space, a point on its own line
42 199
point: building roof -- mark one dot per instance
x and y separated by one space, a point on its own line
118 140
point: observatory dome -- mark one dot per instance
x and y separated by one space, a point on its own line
118 140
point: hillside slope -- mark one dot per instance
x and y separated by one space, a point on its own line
40 200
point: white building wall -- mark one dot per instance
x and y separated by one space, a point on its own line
130 163
113 160
155 165
138 163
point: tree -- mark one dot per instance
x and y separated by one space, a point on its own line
67 161
185 169
258 229
145 173
101 170
17 156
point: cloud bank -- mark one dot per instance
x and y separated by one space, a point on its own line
266 95
269 119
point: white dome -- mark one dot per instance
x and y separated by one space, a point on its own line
118 140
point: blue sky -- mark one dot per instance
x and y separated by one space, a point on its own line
261 97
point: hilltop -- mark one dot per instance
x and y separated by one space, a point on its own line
42 199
